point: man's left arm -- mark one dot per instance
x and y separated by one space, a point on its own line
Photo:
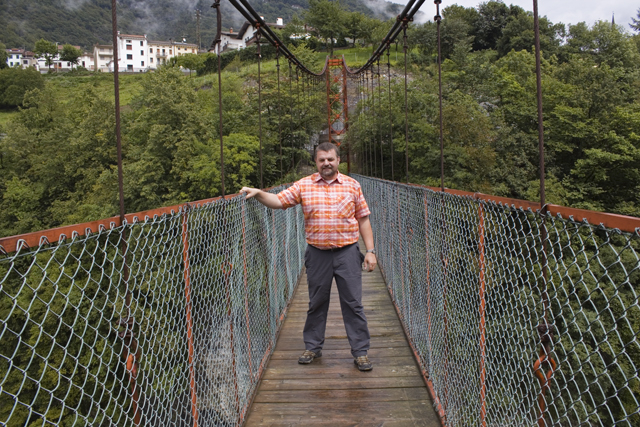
366 232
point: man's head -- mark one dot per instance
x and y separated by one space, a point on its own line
327 160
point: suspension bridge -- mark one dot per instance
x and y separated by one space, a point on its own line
486 311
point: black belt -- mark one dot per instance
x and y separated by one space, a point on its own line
335 249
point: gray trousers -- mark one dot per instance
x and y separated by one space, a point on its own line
345 265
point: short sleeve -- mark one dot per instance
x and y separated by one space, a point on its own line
291 196
362 209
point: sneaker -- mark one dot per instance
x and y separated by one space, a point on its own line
308 356
363 363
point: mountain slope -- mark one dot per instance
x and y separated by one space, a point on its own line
84 22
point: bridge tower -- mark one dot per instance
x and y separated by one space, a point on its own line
337 106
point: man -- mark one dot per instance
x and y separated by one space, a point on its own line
334 211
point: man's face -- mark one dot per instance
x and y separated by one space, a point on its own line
327 163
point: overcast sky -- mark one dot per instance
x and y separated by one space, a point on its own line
566 11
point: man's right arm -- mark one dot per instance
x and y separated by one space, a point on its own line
270 200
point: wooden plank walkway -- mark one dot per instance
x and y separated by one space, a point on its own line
331 391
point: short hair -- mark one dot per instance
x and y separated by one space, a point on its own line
326 146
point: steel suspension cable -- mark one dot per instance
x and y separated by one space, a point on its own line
378 124
438 18
279 110
390 108
374 154
545 331
130 345
291 115
406 103
298 109
258 37
216 45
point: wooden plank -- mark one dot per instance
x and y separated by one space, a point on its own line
340 384
324 395
410 412
331 391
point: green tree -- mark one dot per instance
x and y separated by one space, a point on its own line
3 56
15 82
355 26
518 34
327 20
492 17
47 50
70 54
635 24
295 27
190 61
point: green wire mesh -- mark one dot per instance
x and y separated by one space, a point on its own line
468 279
82 345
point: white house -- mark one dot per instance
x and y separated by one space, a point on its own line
230 40
133 53
160 52
86 61
14 57
102 57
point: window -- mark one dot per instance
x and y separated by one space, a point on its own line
68 64
169 51
129 47
129 56
11 64
83 64
151 60
128 41
142 53
130 67
25 62
142 63
141 43
151 50
163 51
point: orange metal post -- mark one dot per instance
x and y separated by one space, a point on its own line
481 262
544 382
187 293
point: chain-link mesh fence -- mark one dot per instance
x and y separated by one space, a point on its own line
472 284
155 323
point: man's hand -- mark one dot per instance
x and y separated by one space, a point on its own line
270 200
250 192
370 262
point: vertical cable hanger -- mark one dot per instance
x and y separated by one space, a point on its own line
390 109
298 109
216 46
438 18
378 124
279 110
291 115
374 154
405 24
258 37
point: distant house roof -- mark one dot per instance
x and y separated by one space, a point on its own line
132 36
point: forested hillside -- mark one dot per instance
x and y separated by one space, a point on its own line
84 23
58 159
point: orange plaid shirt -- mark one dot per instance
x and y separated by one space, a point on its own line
331 211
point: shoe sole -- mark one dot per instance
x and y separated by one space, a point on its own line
304 362
361 368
